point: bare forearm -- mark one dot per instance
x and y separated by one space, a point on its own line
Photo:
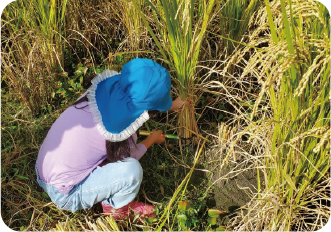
148 142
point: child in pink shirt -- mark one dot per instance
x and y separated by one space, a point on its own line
91 154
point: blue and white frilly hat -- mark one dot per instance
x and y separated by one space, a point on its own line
119 102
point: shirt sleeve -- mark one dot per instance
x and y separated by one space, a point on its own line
137 150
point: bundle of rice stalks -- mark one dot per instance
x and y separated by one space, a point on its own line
293 71
181 26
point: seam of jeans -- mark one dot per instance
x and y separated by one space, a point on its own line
131 181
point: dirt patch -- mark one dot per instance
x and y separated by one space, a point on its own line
233 190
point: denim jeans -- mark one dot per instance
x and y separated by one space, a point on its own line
115 184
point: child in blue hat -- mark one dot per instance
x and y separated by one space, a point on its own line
91 154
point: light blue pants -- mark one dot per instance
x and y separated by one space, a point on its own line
115 184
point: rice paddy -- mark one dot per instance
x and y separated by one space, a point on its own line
254 141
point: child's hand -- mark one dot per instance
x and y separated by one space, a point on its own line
157 137
177 104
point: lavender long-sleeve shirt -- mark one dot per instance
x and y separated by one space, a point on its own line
72 148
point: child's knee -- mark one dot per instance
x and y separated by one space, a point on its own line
134 169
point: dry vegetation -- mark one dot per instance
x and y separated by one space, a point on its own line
259 81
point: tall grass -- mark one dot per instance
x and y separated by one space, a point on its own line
283 132
180 28
32 49
234 20
42 18
294 73
38 35
301 137
136 32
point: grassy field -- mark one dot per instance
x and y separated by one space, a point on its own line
258 76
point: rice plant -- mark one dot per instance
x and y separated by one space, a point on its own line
45 18
32 48
234 20
135 30
180 30
276 127
294 73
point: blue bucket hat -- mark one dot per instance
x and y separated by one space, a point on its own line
119 102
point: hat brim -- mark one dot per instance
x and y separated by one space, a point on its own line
108 104
166 104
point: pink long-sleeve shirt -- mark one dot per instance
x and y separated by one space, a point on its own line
73 147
